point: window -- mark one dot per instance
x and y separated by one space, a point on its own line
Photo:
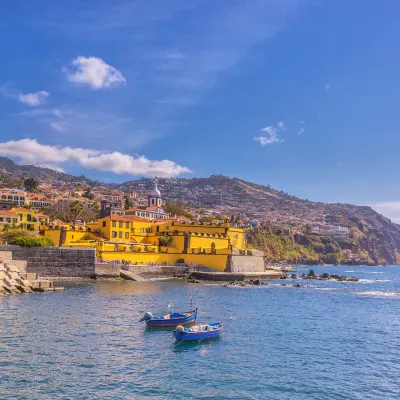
114 224
141 230
126 235
104 224
114 234
121 224
8 220
1 219
10 198
3 197
120 234
127 225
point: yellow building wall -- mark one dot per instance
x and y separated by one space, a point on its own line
144 233
54 235
205 242
200 228
237 237
217 262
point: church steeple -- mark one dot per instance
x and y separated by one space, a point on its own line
155 196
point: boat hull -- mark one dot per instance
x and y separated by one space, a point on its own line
186 336
164 323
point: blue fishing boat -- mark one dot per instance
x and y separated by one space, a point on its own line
198 332
173 319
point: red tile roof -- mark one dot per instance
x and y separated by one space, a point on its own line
9 212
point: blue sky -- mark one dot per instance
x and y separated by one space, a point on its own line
301 95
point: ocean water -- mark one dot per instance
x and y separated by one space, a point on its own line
328 340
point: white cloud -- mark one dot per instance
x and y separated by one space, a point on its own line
389 209
58 126
34 99
270 137
301 122
328 87
95 73
281 125
300 131
29 151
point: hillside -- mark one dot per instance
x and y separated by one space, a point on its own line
374 237
9 167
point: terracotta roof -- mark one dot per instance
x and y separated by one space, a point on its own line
22 209
4 212
41 215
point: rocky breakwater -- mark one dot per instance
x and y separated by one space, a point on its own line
13 281
256 282
324 277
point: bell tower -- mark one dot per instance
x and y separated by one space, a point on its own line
154 197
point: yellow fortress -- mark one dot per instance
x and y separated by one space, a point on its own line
138 241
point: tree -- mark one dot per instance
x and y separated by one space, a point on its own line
173 208
31 184
207 219
127 202
88 194
75 209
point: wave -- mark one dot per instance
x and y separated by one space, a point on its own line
327 288
352 271
380 294
374 272
374 280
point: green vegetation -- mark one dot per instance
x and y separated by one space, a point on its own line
29 241
164 240
280 245
88 194
127 203
31 184
22 237
172 208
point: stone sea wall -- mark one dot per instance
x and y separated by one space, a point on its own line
252 261
55 261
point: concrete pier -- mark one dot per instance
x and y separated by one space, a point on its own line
236 276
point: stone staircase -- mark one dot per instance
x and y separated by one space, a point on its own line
14 279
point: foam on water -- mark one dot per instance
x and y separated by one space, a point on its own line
379 294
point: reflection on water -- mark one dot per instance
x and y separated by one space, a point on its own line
332 340
121 288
